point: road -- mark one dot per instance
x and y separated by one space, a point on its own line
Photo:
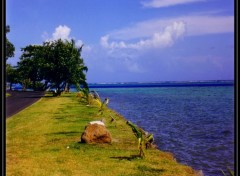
19 100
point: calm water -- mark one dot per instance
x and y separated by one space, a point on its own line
195 123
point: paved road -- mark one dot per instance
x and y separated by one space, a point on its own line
20 100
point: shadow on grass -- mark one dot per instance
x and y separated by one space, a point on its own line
67 133
52 95
150 169
129 158
48 96
80 145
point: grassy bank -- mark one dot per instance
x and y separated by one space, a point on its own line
44 139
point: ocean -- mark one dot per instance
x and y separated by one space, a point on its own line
193 120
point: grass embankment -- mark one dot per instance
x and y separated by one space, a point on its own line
44 139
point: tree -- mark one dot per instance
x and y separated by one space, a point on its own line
57 62
64 64
77 75
12 75
9 46
30 65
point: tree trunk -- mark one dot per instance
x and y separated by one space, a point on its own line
67 87
34 85
58 93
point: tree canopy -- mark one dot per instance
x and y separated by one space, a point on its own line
9 46
12 75
56 62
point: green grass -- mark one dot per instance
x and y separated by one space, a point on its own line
44 139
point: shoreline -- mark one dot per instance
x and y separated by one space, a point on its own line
123 145
197 172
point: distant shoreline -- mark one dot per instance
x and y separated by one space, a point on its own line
162 84
152 84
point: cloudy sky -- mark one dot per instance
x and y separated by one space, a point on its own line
133 40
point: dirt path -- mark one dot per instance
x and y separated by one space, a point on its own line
20 100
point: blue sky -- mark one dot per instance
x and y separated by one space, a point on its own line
133 40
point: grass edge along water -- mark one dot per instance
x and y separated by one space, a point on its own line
211 101
44 139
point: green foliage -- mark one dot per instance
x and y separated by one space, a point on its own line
64 64
36 85
30 65
142 138
57 62
90 98
9 46
84 94
25 84
135 130
139 134
12 75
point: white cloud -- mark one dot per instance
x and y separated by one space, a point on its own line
104 41
201 25
128 59
166 3
61 32
159 39
130 47
194 25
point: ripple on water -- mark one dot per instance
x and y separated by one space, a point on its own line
196 124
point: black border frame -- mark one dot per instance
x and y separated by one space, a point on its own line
3 87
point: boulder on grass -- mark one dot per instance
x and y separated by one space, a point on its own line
96 133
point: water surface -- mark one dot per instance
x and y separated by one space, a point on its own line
195 123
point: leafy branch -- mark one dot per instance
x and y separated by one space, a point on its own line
142 138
